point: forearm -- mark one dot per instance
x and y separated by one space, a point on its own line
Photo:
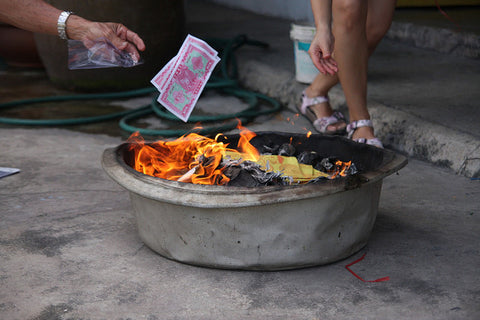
322 45
39 16
322 13
32 15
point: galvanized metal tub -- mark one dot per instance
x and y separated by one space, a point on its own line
261 228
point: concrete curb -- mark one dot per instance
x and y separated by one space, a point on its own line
438 39
422 139
398 130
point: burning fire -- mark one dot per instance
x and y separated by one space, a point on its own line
198 159
191 158
340 169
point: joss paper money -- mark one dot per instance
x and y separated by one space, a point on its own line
187 78
159 80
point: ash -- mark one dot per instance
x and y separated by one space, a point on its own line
250 174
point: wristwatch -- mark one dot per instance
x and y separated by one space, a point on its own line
62 24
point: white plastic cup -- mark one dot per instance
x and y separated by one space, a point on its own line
302 36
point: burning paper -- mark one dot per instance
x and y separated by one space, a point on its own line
183 78
201 160
288 166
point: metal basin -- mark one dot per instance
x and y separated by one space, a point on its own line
261 228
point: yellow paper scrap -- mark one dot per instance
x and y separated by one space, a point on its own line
288 165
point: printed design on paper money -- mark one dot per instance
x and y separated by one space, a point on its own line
187 81
183 78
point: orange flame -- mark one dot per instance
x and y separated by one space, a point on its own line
197 159
340 169
191 158
248 151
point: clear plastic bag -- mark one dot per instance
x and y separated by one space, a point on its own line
101 54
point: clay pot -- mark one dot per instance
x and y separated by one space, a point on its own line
160 23
18 47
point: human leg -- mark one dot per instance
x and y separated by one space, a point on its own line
378 20
321 108
351 54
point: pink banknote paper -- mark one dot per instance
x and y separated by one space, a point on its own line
159 80
186 81
183 78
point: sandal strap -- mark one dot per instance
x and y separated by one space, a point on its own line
321 124
308 102
374 142
354 125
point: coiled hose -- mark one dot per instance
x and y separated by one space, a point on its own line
224 80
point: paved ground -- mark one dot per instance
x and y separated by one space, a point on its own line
68 242
69 250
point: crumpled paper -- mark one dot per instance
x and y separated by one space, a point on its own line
288 166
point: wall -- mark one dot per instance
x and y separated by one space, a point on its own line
295 10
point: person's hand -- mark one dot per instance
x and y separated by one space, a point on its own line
321 50
119 35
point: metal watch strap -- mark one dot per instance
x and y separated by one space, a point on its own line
62 24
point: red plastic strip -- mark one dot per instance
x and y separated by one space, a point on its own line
360 278
447 16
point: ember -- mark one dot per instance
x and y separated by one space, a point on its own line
201 160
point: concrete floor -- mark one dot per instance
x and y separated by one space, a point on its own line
69 248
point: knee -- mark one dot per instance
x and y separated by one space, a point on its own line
375 32
349 15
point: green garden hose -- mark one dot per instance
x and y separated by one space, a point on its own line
225 83
72 121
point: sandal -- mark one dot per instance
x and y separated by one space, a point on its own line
321 124
354 125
